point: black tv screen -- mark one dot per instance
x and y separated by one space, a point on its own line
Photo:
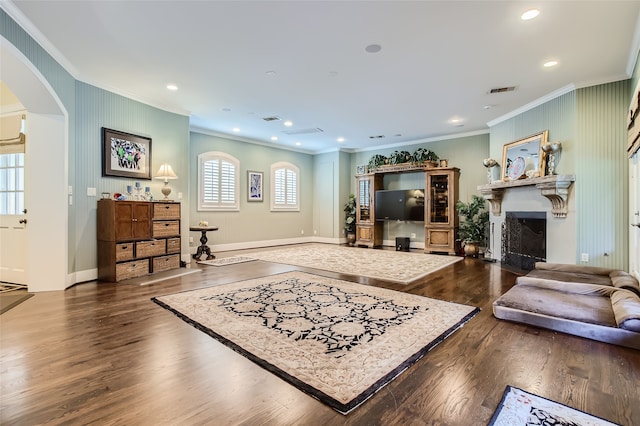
403 204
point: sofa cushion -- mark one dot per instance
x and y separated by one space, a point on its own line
574 277
621 279
589 308
626 309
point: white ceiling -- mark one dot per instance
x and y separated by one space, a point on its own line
236 62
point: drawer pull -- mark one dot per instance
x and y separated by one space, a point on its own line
166 224
167 207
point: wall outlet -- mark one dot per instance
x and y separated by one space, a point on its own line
91 192
302 232
413 235
584 257
190 239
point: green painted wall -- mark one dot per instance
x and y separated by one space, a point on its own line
465 153
169 133
254 221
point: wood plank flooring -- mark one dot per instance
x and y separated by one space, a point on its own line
103 353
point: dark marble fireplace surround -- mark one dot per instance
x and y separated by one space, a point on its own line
524 239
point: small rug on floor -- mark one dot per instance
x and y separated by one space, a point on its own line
522 408
335 340
223 261
389 265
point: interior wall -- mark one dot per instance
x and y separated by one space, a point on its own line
464 152
255 223
602 197
169 133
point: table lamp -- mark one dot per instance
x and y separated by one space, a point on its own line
166 172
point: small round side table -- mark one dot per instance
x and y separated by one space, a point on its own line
204 248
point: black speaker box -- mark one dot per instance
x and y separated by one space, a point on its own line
402 244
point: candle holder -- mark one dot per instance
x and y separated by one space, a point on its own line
550 149
489 163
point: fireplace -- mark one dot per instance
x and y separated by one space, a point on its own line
524 239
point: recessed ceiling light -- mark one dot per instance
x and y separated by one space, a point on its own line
274 138
529 14
298 143
550 64
455 120
270 73
236 129
288 123
373 48
172 87
226 109
340 139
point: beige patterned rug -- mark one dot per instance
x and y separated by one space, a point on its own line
338 341
397 266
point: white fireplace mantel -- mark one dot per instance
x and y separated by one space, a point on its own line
554 187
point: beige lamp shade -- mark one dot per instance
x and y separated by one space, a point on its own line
166 172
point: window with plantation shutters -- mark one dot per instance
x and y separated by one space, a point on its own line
285 187
218 182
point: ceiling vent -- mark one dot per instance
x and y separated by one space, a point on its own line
303 131
502 89
272 118
377 137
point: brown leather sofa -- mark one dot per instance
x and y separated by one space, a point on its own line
596 303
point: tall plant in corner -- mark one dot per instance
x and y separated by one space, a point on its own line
473 227
350 219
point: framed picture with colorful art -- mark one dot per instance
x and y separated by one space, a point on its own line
125 155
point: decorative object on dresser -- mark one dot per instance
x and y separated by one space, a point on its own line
137 238
125 154
166 172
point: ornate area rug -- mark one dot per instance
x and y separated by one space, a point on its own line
396 266
522 408
338 341
223 261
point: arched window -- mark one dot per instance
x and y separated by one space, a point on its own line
218 177
285 187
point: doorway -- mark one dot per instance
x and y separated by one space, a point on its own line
46 165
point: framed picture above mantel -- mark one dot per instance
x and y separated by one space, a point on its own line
125 154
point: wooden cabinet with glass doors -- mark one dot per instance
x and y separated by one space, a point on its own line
368 230
441 216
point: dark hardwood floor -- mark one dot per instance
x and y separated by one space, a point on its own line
103 353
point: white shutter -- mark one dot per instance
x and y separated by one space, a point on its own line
284 187
218 182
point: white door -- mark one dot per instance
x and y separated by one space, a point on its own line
634 210
13 221
13 249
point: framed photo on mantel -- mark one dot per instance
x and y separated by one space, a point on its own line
125 155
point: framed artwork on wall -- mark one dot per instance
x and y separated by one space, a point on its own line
255 186
125 155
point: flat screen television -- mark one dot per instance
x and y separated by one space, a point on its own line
402 204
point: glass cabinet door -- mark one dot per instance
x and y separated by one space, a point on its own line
364 199
439 200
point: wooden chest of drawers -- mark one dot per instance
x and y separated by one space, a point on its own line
137 238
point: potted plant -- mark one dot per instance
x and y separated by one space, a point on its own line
399 157
423 155
473 227
376 161
350 220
